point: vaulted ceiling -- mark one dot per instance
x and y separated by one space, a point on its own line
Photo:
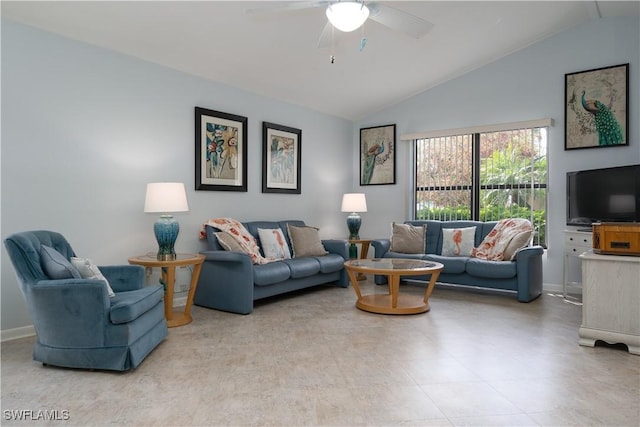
271 48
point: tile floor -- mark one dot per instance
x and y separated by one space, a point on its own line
312 358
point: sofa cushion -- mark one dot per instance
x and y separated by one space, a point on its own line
458 241
407 238
268 274
305 241
273 243
303 267
330 263
452 264
56 266
129 305
491 269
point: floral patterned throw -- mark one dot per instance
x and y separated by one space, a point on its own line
494 244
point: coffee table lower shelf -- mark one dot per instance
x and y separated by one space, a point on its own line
383 304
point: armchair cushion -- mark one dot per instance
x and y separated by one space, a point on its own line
56 266
129 305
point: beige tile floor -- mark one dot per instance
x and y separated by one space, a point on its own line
312 358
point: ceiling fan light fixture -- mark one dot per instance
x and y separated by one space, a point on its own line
347 15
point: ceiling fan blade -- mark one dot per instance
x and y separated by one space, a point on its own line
398 20
325 36
272 8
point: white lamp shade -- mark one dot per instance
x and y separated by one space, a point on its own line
347 15
166 197
354 202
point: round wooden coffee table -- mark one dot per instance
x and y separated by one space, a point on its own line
393 268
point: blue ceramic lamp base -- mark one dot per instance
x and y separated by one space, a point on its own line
166 230
353 223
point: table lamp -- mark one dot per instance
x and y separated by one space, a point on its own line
166 197
354 202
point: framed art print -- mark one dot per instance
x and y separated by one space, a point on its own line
221 151
281 159
597 108
378 155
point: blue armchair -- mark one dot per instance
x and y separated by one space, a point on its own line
77 323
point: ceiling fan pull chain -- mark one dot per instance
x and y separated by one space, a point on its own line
363 40
332 57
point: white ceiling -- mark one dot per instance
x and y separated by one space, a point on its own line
276 54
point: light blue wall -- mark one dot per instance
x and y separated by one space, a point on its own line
526 85
85 129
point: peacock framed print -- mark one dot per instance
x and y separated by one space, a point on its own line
378 155
596 108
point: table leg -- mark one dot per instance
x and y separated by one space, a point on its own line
192 289
354 281
364 252
169 278
432 284
394 288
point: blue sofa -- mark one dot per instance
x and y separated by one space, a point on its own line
522 275
229 281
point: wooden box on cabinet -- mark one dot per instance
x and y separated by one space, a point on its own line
616 238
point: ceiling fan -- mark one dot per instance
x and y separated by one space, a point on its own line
349 15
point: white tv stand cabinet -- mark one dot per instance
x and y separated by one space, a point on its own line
610 300
576 242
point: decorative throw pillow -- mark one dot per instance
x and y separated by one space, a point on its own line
458 241
228 242
274 244
518 242
494 245
408 239
241 235
55 265
88 270
305 241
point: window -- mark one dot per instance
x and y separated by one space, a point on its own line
485 176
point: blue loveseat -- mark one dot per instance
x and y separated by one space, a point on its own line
522 275
229 281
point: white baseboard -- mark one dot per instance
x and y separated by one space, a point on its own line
17 333
29 331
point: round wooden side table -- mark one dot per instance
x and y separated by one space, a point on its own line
174 317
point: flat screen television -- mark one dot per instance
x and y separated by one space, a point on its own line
603 195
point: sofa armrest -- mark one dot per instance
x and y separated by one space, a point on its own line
71 312
337 246
529 271
226 282
381 247
123 277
